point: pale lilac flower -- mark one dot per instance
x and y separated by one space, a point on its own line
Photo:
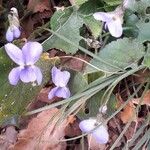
12 33
25 58
100 134
60 79
13 30
113 21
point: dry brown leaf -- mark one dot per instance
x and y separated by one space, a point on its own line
143 101
141 76
72 129
41 134
75 62
38 5
128 111
94 145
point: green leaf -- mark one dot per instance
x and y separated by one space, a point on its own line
94 25
14 99
91 6
66 23
140 7
130 22
113 2
77 82
122 53
146 60
144 31
80 2
140 23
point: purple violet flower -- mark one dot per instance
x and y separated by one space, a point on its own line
60 79
25 58
100 134
12 33
14 25
113 21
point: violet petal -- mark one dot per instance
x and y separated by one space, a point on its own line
14 75
101 134
87 125
38 74
16 32
63 92
52 93
9 35
102 16
115 28
31 52
60 78
27 75
14 53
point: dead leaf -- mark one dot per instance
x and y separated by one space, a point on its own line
94 145
75 62
143 101
128 111
8 138
41 133
141 76
43 96
72 129
30 23
38 5
131 130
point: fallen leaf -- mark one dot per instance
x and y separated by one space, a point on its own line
41 133
76 62
72 129
141 76
143 101
131 130
8 138
128 111
43 96
38 5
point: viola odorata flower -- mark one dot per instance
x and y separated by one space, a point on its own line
100 133
25 58
113 21
13 30
60 79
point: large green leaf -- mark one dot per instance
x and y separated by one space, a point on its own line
122 53
14 99
66 23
